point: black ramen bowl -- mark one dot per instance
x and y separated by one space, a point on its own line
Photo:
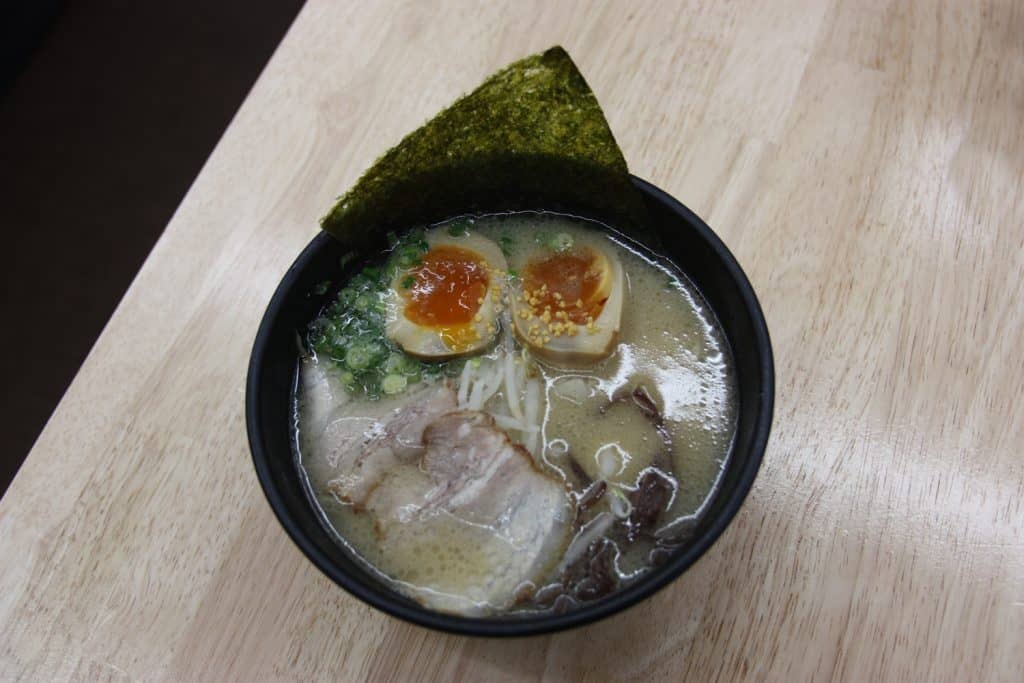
682 237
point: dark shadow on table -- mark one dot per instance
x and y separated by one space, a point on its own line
109 113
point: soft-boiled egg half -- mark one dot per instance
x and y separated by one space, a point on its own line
447 305
568 302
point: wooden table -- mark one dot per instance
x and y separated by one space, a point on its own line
865 162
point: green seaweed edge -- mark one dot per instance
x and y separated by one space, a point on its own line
532 136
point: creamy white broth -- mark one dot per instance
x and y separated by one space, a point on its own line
590 430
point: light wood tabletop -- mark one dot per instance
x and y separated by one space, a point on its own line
865 163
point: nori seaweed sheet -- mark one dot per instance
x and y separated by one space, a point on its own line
531 137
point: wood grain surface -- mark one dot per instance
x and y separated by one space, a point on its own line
863 159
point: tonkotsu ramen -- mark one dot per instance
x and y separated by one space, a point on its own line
513 413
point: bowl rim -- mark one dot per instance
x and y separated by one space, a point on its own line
396 606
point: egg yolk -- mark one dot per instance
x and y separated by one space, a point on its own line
565 282
448 288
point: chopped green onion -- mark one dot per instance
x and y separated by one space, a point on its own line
357 358
322 288
409 257
409 365
394 362
392 239
408 282
561 242
458 229
362 356
347 296
394 384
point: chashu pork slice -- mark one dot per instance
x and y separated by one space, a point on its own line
394 440
353 443
463 516
323 397
474 521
